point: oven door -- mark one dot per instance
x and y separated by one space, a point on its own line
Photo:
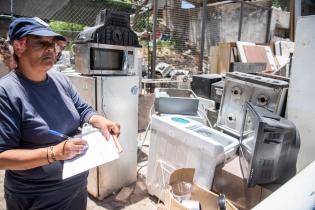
110 59
104 59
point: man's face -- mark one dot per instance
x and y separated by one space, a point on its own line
40 51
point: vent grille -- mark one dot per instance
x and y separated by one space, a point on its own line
266 172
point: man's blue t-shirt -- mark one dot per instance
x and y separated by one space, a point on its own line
27 110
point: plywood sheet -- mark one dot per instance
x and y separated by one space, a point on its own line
214 56
260 54
224 56
240 49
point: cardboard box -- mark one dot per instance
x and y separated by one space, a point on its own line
208 200
229 181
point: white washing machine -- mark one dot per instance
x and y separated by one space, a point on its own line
178 142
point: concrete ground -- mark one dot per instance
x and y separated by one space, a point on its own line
139 199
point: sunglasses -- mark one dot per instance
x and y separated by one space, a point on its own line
41 44
37 43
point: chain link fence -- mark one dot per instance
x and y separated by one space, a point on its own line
179 25
180 28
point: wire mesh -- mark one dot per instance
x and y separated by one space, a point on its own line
179 36
179 25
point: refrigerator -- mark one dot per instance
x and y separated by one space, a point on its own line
116 98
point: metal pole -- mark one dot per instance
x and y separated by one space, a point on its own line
11 8
292 19
241 22
203 31
268 26
298 9
153 61
252 4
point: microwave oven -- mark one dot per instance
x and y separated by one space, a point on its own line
104 59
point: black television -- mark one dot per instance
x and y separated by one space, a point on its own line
269 146
201 84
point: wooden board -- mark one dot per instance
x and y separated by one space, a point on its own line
260 54
214 59
224 56
240 49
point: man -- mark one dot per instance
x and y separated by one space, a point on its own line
33 99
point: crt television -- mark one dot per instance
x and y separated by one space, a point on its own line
269 146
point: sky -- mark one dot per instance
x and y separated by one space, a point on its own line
187 5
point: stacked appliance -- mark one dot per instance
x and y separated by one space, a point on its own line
201 84
180 142
241 87
106 57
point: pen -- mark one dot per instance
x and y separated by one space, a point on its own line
56 133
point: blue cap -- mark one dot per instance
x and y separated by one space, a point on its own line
21 27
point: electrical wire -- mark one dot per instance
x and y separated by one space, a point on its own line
204 116
147 128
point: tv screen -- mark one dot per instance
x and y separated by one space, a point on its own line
269 145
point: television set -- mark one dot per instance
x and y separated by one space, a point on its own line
201 84
269 146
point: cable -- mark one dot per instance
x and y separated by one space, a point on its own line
204 116
147 128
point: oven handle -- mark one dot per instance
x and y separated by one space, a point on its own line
125 63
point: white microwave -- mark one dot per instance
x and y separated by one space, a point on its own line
104 59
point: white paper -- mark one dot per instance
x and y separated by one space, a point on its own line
99 152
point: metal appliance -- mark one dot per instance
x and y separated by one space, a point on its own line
240 88
86 86
217 92
201 84
300 105
175 101
115 97
106 54
179 142
109 48
303 198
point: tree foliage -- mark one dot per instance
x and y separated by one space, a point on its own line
65 26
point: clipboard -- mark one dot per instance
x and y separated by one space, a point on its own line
99 152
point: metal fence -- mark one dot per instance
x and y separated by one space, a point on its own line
178 29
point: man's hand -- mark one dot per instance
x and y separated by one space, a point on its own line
106 126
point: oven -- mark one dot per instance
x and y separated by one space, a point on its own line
109 48
104 59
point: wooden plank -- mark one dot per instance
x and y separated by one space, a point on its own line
260 54
214 59
224 55
241 52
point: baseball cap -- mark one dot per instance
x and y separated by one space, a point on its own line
21 27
